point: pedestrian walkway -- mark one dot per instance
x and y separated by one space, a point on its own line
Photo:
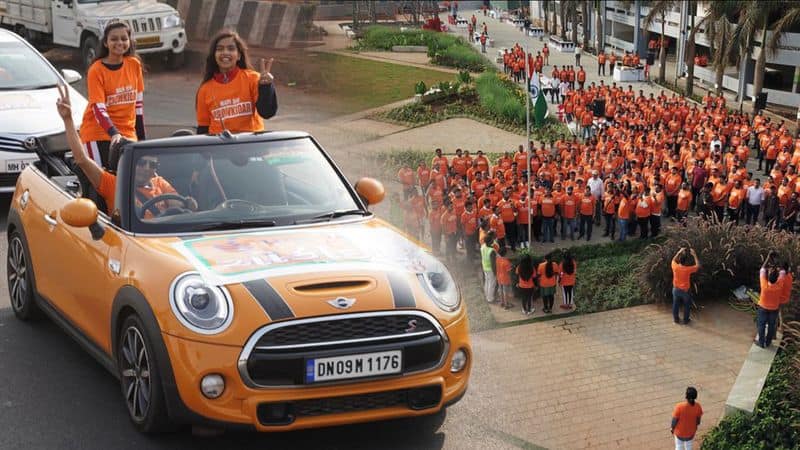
605 380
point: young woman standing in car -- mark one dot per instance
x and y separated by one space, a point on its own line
232 96
116 88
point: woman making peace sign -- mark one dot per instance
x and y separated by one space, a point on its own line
232 96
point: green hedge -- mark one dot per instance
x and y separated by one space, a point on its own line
444 49
775 423
501 97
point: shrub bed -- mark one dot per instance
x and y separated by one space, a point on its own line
775 423
444 49
730 256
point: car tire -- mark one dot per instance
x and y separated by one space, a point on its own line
19 274
89 50
140 377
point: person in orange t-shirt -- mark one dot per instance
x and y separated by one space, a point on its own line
503 267
566 280
435 225
684 264
642 210
586 210
450 230
232 96
685 420
772 293
548 272
115 86
684 202
469 226
147 182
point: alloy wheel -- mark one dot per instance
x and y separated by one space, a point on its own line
135 371
17 269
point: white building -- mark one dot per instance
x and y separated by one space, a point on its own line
622 30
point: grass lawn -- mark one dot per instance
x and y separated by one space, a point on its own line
354 84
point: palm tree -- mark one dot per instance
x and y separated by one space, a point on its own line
546 9
585 23
755 19
563 12
573 12
598 24
660 8
718 33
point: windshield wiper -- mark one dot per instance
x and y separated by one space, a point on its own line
332 215
233 224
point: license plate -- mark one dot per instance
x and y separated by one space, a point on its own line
148 40
353 366
18 165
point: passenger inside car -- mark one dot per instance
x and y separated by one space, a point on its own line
148 184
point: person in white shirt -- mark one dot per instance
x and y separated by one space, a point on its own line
577 55
755 195
714 142
562 90
596 185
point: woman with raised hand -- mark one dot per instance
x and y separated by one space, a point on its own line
115 89
232 96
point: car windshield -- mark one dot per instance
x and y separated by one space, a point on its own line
22 68
237 186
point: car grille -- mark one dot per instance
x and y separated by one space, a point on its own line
8 179
145 25
10 144
344 329
277 357
415 399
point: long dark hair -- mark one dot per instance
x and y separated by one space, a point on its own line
548 267
211 61
525 267
113 25
568 264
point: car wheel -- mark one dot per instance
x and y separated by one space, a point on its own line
20 286
89 51
140 377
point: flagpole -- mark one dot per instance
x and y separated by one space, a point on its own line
528 141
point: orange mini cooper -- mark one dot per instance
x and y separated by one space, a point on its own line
239 281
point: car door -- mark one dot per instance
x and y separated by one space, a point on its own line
65 27
73 271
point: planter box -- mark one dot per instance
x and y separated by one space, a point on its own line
751 378
562 46
410 49
536 32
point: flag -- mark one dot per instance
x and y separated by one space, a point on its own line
540 111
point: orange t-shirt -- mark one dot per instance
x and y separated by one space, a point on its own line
684 199
568 279
771 294
544 281
642 208
233 103
681 275
587 205
108 189
548 207
503 267
687 416
624 211
115 93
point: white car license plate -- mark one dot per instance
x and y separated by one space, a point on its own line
18 165
354 366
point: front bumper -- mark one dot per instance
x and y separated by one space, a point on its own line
171 40
337 404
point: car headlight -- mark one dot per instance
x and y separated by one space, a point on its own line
172 21
201 307
438 283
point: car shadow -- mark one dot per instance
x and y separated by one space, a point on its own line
54 395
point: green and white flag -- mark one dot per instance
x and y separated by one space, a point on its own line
540 111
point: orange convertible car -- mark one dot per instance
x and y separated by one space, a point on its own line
239 280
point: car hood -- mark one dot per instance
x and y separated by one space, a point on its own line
33 113
312 271
126 9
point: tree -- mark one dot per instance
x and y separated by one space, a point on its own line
585 22
563 12
753 21
718 33
546 10
598 25
660 8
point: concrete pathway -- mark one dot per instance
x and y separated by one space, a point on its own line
606 380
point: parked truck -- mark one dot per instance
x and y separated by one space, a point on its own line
157 27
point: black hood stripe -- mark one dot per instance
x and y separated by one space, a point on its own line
269 299
401 291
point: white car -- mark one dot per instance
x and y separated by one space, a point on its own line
28 117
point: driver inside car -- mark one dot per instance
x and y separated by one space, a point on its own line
148 184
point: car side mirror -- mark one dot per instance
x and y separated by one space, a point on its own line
71 76
80 213
370 190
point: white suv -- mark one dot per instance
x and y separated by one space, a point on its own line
28 117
